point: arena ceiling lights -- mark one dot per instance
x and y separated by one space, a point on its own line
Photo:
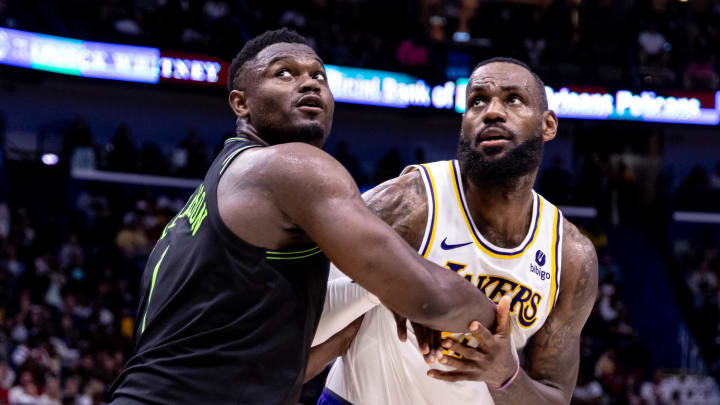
349 85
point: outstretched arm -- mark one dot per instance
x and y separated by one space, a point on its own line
320 197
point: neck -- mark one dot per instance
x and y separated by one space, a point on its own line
501 214
246 130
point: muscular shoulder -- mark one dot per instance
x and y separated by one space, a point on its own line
266 193
290 167
579 267
402 203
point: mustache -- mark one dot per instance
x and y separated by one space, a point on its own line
503 172
496 126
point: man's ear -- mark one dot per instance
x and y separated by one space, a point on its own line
238 102
549 125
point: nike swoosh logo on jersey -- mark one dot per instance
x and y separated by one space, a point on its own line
445 246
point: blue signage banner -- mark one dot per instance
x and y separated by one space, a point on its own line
348 84
623 105
79 58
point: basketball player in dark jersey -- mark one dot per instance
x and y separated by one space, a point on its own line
234 288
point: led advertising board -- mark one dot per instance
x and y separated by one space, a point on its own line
196 69
348 84
387 89
77 57
623 105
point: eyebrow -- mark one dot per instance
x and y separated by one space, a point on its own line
281 57
476 87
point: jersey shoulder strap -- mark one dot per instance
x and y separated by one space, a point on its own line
431 173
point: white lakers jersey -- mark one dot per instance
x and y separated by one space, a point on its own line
379 369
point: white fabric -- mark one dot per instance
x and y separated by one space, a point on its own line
345 301
379 369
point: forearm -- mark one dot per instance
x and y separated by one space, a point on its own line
321 355
371 253
462 303
384 264
420 290
525 390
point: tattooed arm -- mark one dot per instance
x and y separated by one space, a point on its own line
552 355
402 204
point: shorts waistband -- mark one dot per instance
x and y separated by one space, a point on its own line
330 398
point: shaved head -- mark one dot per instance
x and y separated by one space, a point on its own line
540 85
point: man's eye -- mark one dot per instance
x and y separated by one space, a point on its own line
477 101
514 99
283 73
319 76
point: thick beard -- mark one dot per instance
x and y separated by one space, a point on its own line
502 173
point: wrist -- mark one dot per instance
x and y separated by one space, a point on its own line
512 378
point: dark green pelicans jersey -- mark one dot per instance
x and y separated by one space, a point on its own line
221 321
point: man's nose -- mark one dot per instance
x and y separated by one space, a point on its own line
310 84
495 112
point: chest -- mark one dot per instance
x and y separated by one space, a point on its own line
528 273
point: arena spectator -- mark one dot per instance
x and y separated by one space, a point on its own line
389 166
122 155
653 46
52 394
700 73
131 239
555 183
715 178
25 392
412 52
7 377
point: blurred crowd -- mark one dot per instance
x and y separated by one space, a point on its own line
700 190
619 184
613 363
615 367
189 158
640 43
699 259
67 304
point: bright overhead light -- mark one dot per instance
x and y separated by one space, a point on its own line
50 159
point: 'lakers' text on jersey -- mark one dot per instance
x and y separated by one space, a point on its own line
379 369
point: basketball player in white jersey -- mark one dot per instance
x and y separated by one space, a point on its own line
479 217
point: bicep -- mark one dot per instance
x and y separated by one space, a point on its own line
553 353
317 194
321 198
